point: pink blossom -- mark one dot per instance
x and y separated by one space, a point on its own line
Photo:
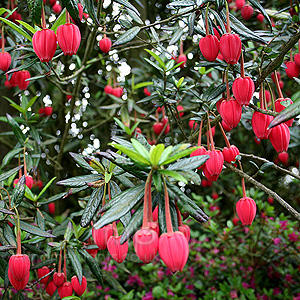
148 296
233 294
276 291
283 224
276 241
293 237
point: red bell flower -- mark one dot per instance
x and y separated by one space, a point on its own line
154 226
181 58
230 47
246 210
69 38
56 8
209 47
51 288
108 90
231 112
155 214
105 44
51 208
80 10
5 61
42 272
19 266
14 79
239 4
101 236
147 92
92 252
117 251
193 124
280 137
230 154
22 77
281 104
226 126
216 33
59 279
18 284
118 92
213 166
158 127
197 152
77 287
243 89
297 59
292 70
260 18
247 12
260 123
268 97
65 290
44 44
283 157
145 242
28 181
165 120
48 110
180 110
185 229
173 249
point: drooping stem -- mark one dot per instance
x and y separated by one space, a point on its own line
146 200
67 18
243 181
210 134
180 223
224 135
2 39
291 55
20 171
227 18
115 229
9 199
206 20
262 103
103 197
167 209
59 261
242 65
200 133
207 140
278 86
25 167
150 216
157 116
19 247
44 26
65 262
181 47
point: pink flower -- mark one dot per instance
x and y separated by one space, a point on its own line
276 241
283 224
148 296
293 237
276 291
233 294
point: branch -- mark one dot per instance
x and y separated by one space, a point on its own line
281 201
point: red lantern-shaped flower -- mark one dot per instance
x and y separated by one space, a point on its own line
260 123
297 59
51 288
246 210
44 44
243 89
173 249
230 47
105 44
42 272
65 290
260 18
158 127
226 126
213 166
281 104
147 92
247 12
280 137
101 236
193 124
5 61
209 47
231 112
292 70
58 279
108 90
230 154
118 92
69 38
22 79
181 58
18 284
283 157
19 266
185 229
79 288
145 243
239 4
117 251
200 151
155 214
56 8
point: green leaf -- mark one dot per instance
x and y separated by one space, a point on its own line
93 265
76 265
92 206
79 159
18 192
157 58
95 164
135 17
142 84
17 28
155 153
43 263
27 26
10 173
72 8
113 282
178 155
89 6
127 36
16 130
79 181
69 231
128 5
45 188
153 64
59 21
131 154
120 205
162 214
173 174
186 3
257 5
288 113
36 11
11 154
140 149
190 163
191 23
176 36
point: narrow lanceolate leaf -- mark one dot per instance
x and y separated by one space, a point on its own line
93 265
128 5
127 36
191 23
140 149
72 8
76 265
27 26
113 282
178 155
11 154
59 21
190 163
256 4
95 164
43 263
6 248
17 28
45 188
69 231
36 12
79 159
120 205
155 153
92 206
16 130
174 175
184 3
188 205
89 6
288 113
10 173
176 36
156 57
79 181
19 192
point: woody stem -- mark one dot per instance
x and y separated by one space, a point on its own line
227 18
206 20
150 216
167 209
146 200
278 86
210 134
2 39
200 133
59 262
224 135
67 18
180 223
242 65
43 18
227 86
65 262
